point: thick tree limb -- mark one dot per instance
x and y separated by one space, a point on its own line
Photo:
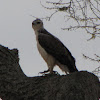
14 85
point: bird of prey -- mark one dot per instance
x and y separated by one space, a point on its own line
53 50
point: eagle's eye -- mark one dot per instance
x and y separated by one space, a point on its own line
38 22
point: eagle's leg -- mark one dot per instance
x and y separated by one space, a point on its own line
53 72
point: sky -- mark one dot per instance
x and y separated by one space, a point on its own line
16 32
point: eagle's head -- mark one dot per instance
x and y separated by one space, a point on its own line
37 24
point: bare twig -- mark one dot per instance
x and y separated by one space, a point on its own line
80 11
97 60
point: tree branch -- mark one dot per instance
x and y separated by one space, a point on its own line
14 85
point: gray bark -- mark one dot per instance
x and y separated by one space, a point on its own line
14 85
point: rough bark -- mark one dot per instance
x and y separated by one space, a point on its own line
14 85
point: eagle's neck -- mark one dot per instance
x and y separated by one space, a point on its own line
36 34
43 31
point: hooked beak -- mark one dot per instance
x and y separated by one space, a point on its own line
32 23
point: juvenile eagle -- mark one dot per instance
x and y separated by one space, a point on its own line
52 49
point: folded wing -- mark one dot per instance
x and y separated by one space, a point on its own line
56 48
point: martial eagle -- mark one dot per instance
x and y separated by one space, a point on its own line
52 49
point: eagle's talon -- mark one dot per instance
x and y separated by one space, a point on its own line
46 71
55 72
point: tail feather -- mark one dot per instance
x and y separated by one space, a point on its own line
67 69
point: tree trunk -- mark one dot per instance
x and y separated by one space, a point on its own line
14 85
